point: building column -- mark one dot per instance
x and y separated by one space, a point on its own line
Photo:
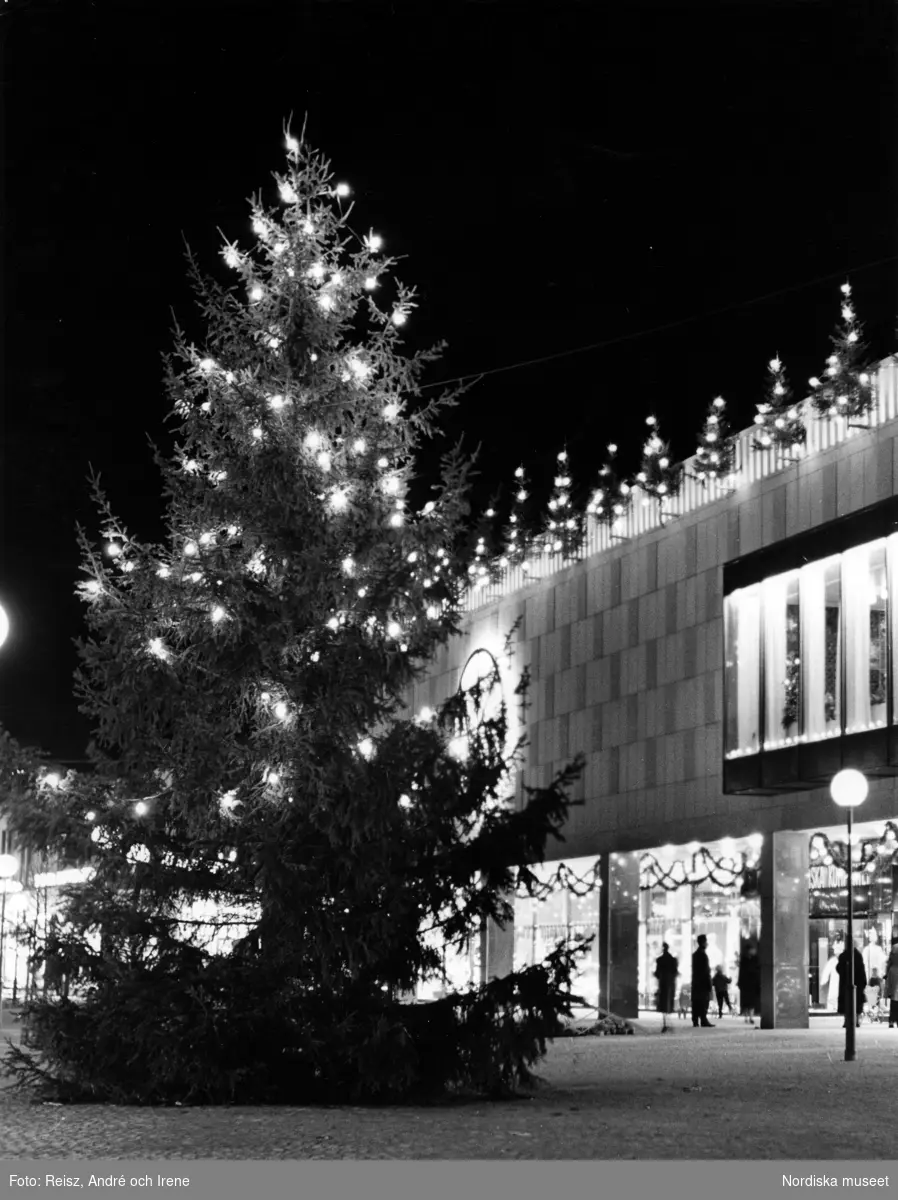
783 950
619 935
497 949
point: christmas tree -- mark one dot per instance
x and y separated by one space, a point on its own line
779 418
275 844
564 527
519 541
657 476
715 458
611 499
847 387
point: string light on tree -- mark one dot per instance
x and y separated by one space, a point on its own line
847 387
779 420
611 499
304 454
564 527
518 541
658 476
715 457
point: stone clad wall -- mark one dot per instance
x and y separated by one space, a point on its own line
626 654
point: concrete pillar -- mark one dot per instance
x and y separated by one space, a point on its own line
783 949
497 955
619 935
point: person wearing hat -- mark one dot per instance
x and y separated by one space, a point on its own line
701 984
666 971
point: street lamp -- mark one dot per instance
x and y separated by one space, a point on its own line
9 865
849 790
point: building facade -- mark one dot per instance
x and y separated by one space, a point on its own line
716 664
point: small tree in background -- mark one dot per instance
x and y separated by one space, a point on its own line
847 387
564 527
779 419
519 540
611 499
657 475
715 458
273 844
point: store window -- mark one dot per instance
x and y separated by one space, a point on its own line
566 913
807 651
743 670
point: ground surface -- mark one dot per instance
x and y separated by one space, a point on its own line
733 1092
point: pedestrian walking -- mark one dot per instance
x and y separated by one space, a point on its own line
891 989
749 980
667 968
721 984
860 984
701 984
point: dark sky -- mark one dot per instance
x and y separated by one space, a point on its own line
649 176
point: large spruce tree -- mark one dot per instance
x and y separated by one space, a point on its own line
273 838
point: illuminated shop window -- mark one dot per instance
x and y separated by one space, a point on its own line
807 651
782 659
743 670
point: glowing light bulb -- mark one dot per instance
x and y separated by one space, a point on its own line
257 432
218 614
391 411
292 145
374 242
391 484
405 801
348 565
257 293
359 446
141 808
333 624
342 189
163 572
231 257
339 499
326 302
428 507
366 748
158 649
281 711
370 283
399 317
313 440
288 195
433 612
90 816
273 778
394 629
396 520
191 549
113 549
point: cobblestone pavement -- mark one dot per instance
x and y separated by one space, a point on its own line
732 1092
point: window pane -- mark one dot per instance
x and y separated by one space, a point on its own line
782 660
865 592
743 670
821 593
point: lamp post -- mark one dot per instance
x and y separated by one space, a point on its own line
849 790
9 865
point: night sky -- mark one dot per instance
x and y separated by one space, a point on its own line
681 187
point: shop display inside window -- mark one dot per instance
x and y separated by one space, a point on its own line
802 645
